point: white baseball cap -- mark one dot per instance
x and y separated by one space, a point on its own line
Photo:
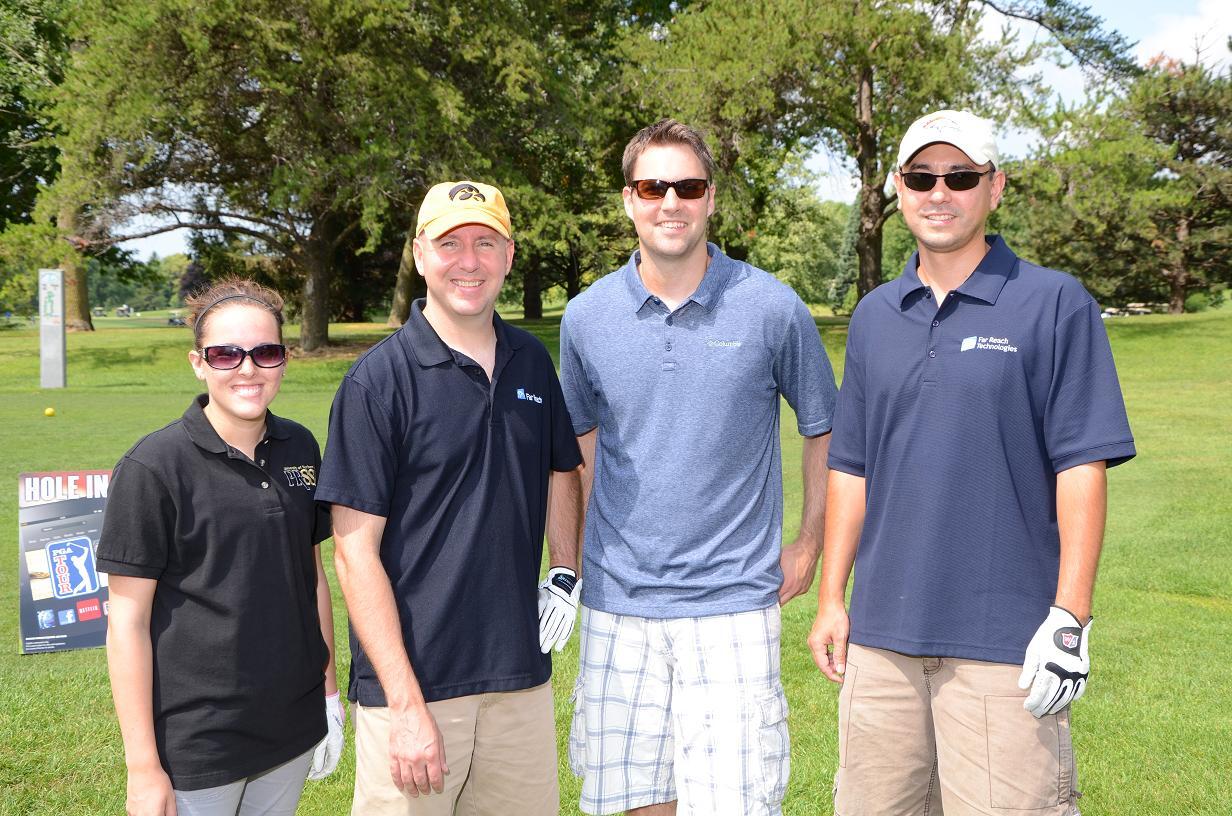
966 131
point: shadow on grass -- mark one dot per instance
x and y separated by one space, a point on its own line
1156 327
115 357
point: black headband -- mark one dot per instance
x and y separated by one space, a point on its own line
225 298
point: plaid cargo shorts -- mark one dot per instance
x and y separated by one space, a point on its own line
687 709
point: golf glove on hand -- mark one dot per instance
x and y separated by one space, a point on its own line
1057 664
558 603
329 750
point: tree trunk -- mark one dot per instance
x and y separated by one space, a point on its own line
1178 277
868 240
408 287
76 294
1176 293
317 257
871 201
405 285
532 293
573 274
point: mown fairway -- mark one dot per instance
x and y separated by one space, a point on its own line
1153 732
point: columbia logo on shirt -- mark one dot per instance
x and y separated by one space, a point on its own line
978 343
523 394
304 476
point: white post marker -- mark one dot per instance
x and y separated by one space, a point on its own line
52 361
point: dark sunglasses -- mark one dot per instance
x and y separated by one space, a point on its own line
957 181
654 189
225 358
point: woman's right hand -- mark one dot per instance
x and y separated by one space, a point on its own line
150 793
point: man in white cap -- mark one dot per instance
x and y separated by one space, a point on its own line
979 411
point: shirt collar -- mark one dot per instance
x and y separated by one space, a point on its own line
714 281
985 283
203 435
430 350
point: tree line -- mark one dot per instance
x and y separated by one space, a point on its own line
296 138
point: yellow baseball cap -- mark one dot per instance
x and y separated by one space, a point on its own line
451 204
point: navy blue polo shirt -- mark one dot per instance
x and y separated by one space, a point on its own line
459 468
960 417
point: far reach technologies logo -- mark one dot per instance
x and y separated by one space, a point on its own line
977 343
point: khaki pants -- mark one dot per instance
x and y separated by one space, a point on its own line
501 752
927 735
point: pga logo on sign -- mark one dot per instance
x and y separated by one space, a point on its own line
72 567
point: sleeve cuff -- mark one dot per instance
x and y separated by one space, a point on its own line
563 464
372 508
128 570
1114 454
845 465
818 428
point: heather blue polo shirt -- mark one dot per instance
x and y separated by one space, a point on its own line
685 516
960 417
458 465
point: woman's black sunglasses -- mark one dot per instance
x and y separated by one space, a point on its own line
957 181
225 358
654 189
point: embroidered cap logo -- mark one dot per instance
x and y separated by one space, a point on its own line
465 191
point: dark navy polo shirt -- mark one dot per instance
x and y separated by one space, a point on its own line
960 417
239 662
459 468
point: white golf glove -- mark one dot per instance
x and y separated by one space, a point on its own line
1057 665
329 750
558 603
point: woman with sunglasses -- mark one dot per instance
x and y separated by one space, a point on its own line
220 631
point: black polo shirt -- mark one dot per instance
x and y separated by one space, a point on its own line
459 467
239 661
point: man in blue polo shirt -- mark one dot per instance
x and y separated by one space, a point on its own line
673 368
979 411
441 441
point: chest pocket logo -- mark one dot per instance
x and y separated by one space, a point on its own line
304 476
979 343
523 394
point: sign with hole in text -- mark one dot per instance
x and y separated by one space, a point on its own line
64 599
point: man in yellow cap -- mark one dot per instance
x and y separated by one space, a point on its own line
442 441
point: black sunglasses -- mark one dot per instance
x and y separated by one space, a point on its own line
225 358
654 189
957 181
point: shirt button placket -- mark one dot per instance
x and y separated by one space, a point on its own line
669 362
930 375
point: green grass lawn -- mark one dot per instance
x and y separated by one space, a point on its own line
1154 732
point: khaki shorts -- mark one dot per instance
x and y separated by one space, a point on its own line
501 752
927 735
